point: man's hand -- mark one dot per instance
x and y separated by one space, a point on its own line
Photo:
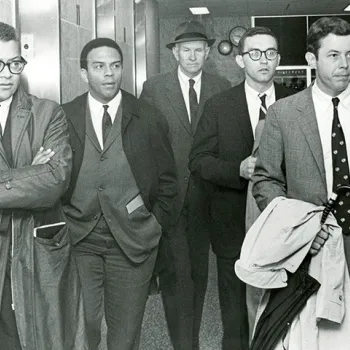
43 156
319 240
247 167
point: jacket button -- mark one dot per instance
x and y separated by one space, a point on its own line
8 185
340 297
95 217
101 188
57 244
102 158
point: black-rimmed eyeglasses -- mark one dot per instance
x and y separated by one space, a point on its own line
15 67
255 54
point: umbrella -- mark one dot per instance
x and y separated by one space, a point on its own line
286 303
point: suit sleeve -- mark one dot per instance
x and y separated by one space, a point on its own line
269 180
205 160
146 94
40 186
167 180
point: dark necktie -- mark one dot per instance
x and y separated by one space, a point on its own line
106 123
263 109
340 170
193 104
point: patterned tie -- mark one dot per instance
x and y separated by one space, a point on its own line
260 126
106 124
340 170
263 109
193 104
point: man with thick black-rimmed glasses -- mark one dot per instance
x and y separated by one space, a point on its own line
39 296
224 153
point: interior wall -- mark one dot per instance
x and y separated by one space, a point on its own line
39 28
125 37
217 28
7 12
147 59
77 22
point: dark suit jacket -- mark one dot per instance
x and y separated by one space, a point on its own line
164 92
147 148
224 138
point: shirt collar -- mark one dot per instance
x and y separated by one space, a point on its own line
96 106
253 93
184 78
326 100
6 103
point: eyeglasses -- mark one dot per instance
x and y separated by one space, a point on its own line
256 54
15 66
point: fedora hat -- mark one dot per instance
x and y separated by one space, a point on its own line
190 31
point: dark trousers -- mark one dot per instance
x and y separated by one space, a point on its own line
198 235
232 297
178 303
9 339
108 277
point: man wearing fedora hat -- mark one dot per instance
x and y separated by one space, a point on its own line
180 96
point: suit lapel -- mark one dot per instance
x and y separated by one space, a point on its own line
176 100
90 131
78 117
129 110
20 113
240 109
206 93
115 130
308 125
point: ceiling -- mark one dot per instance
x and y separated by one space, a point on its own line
234 8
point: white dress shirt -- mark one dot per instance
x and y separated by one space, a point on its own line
185 87
254 102
324 116
4 112
96 111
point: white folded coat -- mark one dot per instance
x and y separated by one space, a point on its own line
278 242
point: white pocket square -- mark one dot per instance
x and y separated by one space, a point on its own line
135 203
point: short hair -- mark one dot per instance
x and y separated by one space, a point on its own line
323 27
8 33
96 43
252 32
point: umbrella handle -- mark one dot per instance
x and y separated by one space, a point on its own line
330 204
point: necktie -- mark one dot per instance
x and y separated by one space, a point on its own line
260 126
340 170
106 123
263 109
193 103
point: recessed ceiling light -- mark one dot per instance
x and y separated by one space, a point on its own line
199 10
347 8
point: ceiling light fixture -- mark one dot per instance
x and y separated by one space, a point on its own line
199 10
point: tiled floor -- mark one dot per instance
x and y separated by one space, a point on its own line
154 333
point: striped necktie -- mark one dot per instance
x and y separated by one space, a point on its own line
263 109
